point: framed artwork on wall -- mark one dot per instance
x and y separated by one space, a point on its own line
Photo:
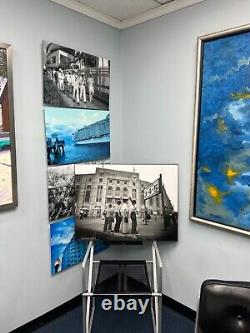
220 191
8 179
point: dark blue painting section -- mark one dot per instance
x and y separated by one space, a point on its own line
223 147
66 249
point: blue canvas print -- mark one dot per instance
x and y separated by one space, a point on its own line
76 135
222 172
66 249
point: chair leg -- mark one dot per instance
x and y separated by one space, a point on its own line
84 314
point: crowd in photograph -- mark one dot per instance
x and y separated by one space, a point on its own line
123 217
61 192
75 84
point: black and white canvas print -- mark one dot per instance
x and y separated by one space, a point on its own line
127 202
74 79
61 191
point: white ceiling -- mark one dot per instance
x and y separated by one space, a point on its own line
122 9
122 14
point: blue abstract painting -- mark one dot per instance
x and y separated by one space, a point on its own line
222 172
66 249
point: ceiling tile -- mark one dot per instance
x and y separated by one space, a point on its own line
121 9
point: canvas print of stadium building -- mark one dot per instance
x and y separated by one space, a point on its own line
126 202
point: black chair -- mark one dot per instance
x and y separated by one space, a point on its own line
224 307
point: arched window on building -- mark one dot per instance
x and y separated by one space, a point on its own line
125 192
88 192
110 190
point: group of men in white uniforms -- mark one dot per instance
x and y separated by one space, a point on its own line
122 214
75 85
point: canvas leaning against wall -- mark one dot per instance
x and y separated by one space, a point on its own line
8 181
61 191
66 249
221 174
74 79
76 135
127 202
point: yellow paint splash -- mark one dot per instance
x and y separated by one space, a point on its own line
215 194
243 95
231 173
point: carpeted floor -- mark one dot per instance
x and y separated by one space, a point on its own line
119 322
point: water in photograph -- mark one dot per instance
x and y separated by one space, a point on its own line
80 153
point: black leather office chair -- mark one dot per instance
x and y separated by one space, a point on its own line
224 307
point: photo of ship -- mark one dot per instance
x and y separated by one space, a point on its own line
98 132
76 135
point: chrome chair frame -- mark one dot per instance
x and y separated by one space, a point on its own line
90 267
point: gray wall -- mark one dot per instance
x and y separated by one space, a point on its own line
159 65
27 289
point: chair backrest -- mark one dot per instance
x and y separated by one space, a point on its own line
224 307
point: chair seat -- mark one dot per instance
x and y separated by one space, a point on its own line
224 307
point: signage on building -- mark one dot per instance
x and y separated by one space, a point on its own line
152 190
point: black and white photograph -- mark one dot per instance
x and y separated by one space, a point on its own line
61 191
127 202
74 79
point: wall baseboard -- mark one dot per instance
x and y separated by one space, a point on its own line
49 316
76 301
